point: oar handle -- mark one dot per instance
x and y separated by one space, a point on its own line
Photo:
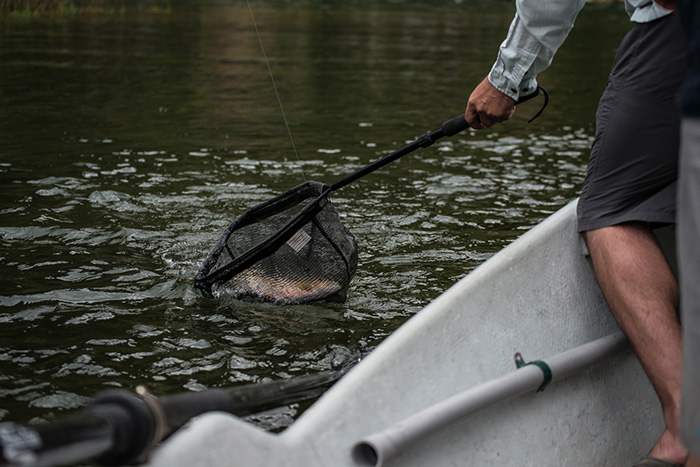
459 124
119 427
116 426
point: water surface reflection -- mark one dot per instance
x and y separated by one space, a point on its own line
129 142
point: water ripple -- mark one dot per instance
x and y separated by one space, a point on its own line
108 211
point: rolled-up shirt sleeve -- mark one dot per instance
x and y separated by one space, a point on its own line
536 33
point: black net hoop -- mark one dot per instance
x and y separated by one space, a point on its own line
307 254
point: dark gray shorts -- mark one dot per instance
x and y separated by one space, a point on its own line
633 165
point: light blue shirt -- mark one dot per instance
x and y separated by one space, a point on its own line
536 33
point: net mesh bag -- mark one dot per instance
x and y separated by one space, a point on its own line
291 249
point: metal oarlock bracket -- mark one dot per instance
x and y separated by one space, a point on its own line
546 371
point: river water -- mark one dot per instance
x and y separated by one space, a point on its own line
130 139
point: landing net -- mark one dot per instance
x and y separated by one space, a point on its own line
307 254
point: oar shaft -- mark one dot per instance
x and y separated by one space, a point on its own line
246 400
377 448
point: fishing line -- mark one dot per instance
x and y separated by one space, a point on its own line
274 85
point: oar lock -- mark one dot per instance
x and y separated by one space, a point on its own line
159 416
138 423
546 370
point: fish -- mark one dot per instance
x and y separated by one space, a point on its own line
254 283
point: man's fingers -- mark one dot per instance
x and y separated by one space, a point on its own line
486 120
487 106
482 120
473 119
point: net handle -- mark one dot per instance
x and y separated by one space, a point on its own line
276 240
449 128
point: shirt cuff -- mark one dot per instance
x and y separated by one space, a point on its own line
507 86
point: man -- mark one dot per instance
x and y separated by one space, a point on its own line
631 179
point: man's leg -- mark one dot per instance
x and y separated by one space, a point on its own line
642 293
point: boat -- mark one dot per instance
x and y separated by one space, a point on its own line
518 363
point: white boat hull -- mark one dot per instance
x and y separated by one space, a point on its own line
538 297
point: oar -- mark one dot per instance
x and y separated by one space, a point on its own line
377 448
119 427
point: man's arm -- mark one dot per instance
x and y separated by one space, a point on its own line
536 33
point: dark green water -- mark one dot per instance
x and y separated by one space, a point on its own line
129 141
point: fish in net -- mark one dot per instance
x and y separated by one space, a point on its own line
308 254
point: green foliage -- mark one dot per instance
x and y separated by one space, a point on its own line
31 8
68 7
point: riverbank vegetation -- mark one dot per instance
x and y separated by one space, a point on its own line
62 7
69 7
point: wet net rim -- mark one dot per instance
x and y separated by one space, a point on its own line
204 279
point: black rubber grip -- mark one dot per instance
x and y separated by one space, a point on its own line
454 125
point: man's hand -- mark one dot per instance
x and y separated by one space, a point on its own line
487 106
